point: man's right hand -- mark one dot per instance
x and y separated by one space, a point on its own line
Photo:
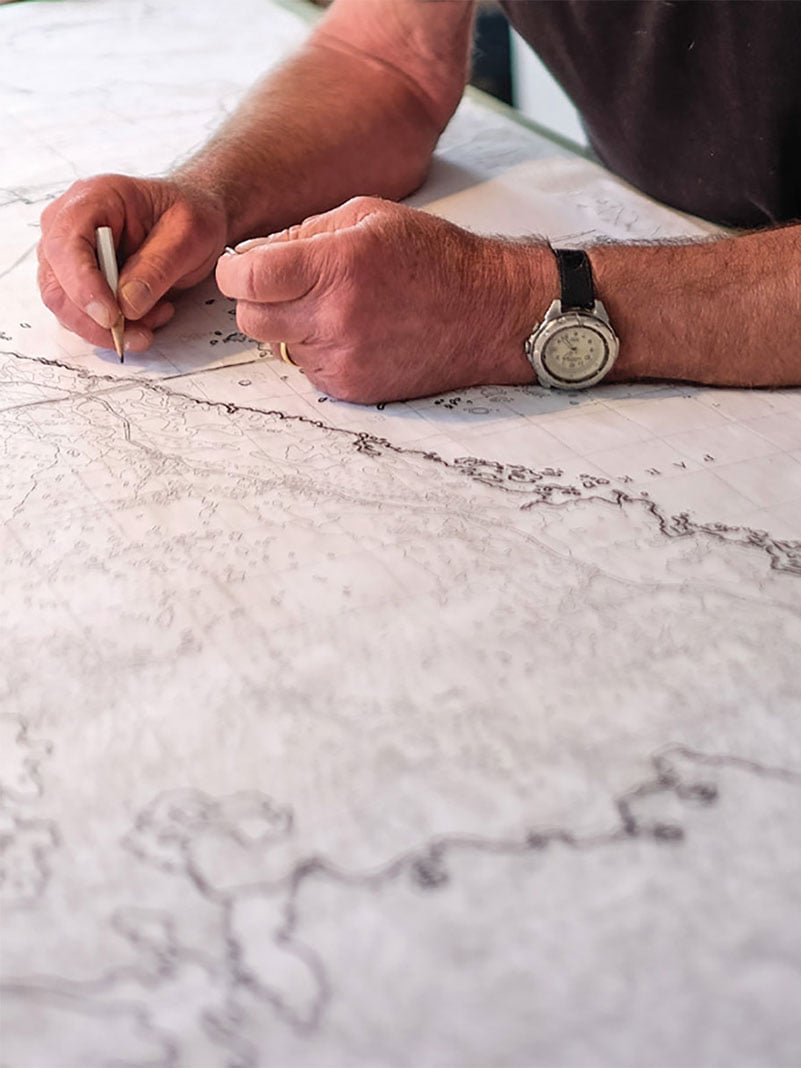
168 236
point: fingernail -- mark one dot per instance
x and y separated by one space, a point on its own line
102 314
135 298
137 339
252 242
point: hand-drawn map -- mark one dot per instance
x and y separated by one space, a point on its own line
462 732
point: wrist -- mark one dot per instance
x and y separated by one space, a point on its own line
208 198
531 283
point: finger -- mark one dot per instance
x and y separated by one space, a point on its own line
288 322
270 273
288 264
158 316
291 233
72 259
352 213
69 314
175 254
138 336
310 227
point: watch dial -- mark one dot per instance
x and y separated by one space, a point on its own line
575 353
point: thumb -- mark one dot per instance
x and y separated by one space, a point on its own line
176 253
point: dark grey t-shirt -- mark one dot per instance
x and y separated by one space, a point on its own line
696 102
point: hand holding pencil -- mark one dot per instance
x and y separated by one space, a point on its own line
170 235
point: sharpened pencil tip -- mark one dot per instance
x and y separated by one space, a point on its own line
118 337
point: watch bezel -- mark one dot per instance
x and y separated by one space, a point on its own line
557 320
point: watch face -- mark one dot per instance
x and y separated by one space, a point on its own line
575 353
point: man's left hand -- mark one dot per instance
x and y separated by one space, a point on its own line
378 302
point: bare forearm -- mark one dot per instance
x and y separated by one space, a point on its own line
723 312
337 120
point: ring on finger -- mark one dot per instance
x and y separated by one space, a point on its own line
283 352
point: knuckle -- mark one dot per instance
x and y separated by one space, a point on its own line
82 199
250 279
298 230
52 301
82 188
50 241
159 270
51 292
80 194
50 211
366 204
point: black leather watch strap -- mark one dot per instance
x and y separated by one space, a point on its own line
575 278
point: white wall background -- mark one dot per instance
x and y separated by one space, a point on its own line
539 97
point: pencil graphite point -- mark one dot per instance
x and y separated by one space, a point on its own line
118 336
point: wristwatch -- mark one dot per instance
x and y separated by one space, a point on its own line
574 347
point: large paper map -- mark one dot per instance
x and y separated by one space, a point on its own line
458 732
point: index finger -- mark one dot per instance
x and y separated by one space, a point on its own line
273 272
72 258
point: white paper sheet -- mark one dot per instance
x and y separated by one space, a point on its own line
462 731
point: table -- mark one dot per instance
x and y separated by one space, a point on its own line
457 732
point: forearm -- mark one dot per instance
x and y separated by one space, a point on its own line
337 120
725 312
404 304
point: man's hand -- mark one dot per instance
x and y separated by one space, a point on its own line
168 234
386 76
380 302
